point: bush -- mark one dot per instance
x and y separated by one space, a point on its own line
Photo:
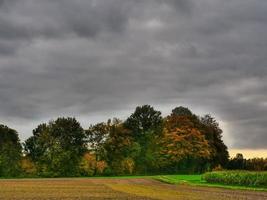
217 168
241 178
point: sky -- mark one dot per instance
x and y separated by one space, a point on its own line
98 59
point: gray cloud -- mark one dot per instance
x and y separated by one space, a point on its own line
27 20
184 6
94 59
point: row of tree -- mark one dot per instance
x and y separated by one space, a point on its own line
145 143
254 164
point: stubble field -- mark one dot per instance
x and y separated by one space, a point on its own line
102 188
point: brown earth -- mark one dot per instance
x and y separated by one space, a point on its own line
98 188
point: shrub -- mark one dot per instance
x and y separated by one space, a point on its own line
217 168
28 167
241 178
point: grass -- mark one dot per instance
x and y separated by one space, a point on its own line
197 180
179 179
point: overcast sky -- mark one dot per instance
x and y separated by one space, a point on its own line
96 59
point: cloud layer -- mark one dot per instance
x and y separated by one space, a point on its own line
92 58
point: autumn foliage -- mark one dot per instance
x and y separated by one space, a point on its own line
145 143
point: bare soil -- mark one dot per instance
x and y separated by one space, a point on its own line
139 188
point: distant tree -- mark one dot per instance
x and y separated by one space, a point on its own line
146 125
213 133
97 135
181 111
57 147
184 117
238 162
36 145
121 150
143 120
88 165
183 145
10 152
252 164
28 167
257 164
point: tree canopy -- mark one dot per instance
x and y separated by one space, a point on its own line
144 143
10 152
57 147
144 119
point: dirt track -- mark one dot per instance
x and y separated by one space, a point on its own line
115 189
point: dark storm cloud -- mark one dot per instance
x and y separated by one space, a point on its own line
98 58
27 20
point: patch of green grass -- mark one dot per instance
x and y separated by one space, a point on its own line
197 180
179 179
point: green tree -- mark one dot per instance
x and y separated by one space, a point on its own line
121 150
143 120
57 147
97 135
10 152
181 111
213 133
146 125
238 162
35 146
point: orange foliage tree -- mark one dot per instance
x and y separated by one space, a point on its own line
183 144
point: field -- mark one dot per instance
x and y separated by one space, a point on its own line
117 188
232 180
241 178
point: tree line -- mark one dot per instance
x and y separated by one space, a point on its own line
252 164
144 143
